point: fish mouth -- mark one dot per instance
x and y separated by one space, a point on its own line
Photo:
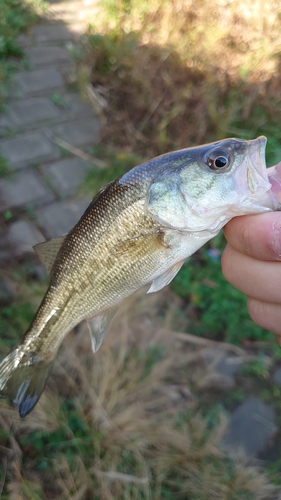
258 185
256 166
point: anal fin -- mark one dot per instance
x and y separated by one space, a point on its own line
165 278
99 325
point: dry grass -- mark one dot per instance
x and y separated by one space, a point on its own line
124 424
182 72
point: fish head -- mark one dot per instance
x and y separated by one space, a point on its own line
210 184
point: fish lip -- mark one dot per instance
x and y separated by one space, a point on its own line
256 156
257 177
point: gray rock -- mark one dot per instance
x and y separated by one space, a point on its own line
34 82
215 381
277 376
27 148
251 426
51 33
32 111
222 362
39 56
23 188
77 133
23 235
66 175
59 217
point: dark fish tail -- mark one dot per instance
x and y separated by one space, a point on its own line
23 380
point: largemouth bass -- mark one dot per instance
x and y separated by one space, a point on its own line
138 230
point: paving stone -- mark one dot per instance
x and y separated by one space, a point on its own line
5 125
24 41
32 82
59 217
32 111
251 426
38 56
75 107
7 289
23 235
51 33
66 175
77 133
5 250
28 148
24 187
277 376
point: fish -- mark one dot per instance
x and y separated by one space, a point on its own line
138 230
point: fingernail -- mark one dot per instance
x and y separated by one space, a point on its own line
275 179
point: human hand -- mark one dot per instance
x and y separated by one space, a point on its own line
251 261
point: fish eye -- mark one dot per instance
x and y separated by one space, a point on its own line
218 160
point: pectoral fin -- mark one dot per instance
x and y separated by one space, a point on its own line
165 278
48 251
99 325
151 241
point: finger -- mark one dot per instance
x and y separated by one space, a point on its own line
274 177
255 278
258 236
266 315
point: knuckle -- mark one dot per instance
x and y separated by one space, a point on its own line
257 311
227 263
245 240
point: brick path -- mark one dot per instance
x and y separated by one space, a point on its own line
40 110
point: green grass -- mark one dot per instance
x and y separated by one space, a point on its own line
219 310
5 170
116 163
16 16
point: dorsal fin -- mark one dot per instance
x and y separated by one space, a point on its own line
48 251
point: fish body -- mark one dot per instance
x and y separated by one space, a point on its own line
138 230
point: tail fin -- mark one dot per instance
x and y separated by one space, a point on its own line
23 381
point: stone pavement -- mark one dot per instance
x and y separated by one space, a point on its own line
41 110
41 198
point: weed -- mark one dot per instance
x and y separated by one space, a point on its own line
117 163
8 215
201 81
59 101
5 170
258 368
219 310
15 17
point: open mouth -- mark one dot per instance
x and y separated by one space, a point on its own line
256 168
257 174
